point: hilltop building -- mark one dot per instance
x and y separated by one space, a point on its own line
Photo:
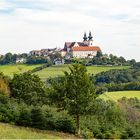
85 49
44 52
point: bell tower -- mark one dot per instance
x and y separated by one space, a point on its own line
85 37
90 39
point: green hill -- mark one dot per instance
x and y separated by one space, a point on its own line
8 131
52 71
59 70
119 94
16 68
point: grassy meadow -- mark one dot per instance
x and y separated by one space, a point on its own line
15 69
59 70
52 71
8 131
119 94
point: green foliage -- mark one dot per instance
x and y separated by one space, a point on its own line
111 60
4 85
9 58
36 60
75 92
99 54
118 80
28 88
9 110
24 116
105 121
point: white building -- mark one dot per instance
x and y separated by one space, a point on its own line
84 49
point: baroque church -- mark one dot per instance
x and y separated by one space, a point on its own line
84 49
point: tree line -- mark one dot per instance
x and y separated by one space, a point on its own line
10 58
99 59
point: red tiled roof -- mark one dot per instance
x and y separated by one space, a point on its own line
71 44
87 48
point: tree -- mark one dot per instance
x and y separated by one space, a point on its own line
99 54
8 58
28 88
74 92
4 84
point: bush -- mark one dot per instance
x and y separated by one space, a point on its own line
25 116
9 109
28 88
65 124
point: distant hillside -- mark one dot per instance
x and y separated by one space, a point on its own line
52 71
59 70
9 70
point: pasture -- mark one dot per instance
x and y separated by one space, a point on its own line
119 94
10 70
53 71
59 70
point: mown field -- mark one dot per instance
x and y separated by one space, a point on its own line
119 94
8 131
15 69
59 70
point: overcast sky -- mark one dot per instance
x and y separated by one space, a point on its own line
35 24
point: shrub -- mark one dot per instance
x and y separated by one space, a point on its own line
65 124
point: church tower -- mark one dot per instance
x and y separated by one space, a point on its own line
90 40
85 37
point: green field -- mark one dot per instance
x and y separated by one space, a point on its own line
119 94
8 131
59 70
52 71
15 69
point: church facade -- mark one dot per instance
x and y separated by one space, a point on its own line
84 49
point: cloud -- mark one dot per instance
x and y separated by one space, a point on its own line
36 24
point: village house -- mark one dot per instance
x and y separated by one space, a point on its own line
85 49
44 52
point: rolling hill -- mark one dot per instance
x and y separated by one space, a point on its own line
52 71
9 70
59 70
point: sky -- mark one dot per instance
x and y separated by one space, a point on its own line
27 25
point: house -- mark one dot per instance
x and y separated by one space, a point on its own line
85 49
44 52
59 61
21 60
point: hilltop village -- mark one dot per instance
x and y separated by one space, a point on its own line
84 49
86 52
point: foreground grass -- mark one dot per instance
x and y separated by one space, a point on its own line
8 131
59 70
16 68
119 94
